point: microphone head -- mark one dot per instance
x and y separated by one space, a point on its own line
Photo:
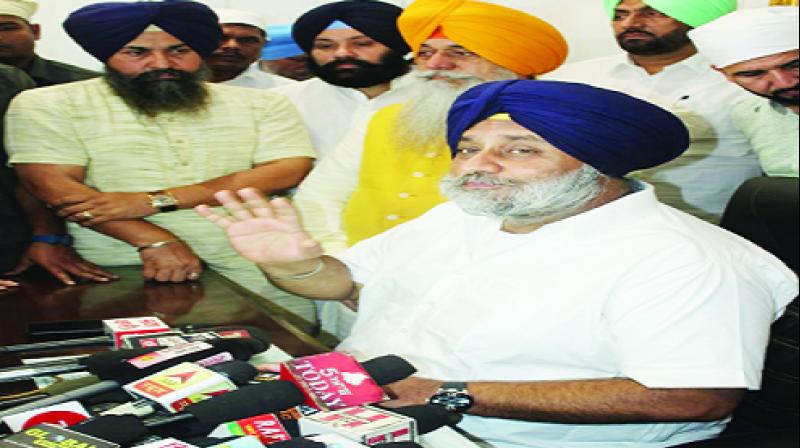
429 417
247 332
242 349
249 401
239 372
388 369
123 430
397 445
298 443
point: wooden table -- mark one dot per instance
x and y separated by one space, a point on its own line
213 300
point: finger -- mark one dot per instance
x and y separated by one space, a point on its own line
97 270
149 272
97 221
82 271
163 275
23 266
68 200
72 209
258 204
179 276
60 274
285 212
235 207
211 215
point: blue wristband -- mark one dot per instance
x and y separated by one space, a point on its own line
62 240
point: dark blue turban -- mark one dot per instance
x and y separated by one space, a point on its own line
610 131
102 29
377 20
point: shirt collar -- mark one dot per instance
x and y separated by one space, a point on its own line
37 68
696 63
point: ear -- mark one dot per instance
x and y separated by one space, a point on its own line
37 31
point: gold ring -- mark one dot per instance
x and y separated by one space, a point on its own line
87 214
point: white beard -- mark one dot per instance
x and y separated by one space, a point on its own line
422 122
526 202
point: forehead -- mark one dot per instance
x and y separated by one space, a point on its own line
632 4
766 62
441 43
492 129
241 29
341 34
4 18
155 39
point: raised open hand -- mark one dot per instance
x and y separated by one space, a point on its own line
263 231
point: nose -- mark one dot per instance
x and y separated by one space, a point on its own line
159 60
230 42
632 20
482 162
439 61
782 79
344 51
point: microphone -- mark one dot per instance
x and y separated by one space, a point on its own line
397 445
333 381
56 388
123 430
103 432
203 417
127 366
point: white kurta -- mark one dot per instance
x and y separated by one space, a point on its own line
330 112
720 158
255 78
634 289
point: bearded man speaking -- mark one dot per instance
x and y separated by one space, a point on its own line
125 157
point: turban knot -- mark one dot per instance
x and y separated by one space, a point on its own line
102 29
375 19
610 131
507 37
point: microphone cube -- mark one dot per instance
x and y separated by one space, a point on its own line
181 386
364 424
118 328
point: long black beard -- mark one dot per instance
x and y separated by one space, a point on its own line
392 65
658 45
150 95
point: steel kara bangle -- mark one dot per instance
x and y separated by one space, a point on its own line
302 276
157 244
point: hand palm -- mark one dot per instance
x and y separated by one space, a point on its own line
271 240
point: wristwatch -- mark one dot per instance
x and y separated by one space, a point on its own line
163 201
60 240
454 397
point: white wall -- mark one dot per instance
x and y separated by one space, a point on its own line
583 22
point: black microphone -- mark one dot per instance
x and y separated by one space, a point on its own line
298 443
115 370
429 417
397 445
201 418
103 431
388 369
123 430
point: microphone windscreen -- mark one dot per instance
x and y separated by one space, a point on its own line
388 369
249 401
248 332
429 417
239 372
120 429
397 445
114 367
298 443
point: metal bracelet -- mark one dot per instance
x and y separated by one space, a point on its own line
302 276
157 244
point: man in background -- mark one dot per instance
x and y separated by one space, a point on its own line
282 56
358 57
235 62
757 49
660 64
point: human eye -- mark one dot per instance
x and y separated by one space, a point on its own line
620 15
461 53
323 46
465 152
794 65
751 74
134 52
425 53
250 40
364 43
518 152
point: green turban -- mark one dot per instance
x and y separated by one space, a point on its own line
691 12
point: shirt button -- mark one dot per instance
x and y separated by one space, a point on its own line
418 175
392 217
180 141
404 195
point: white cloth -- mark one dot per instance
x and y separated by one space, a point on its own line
24 9
633 289
330 111
720 158
748 34
255 78
241 17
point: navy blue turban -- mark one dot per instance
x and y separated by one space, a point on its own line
377 20
102 29
613 132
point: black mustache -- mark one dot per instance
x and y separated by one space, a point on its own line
634 30
154 75
339 62
788 90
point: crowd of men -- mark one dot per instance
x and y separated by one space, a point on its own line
540 240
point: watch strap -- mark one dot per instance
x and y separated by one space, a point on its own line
61 240
163 201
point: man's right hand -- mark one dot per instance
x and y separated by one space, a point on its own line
63 262
174 262
265 232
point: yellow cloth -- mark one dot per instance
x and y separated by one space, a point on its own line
395 184
86 124
507 37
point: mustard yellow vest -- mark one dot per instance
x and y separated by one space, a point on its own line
395 184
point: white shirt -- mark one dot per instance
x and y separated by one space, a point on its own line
720 158
633 289
255 78
331 111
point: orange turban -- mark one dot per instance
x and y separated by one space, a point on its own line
507 37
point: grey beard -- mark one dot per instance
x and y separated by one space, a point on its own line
150 96
526 202
422 121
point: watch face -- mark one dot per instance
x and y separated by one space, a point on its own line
453 400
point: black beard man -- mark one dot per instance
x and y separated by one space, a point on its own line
163 90
654 45
392 66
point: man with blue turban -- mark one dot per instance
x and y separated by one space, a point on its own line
125 157
660 64
554 301
282 56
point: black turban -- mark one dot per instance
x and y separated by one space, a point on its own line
102 29
377 20
613 132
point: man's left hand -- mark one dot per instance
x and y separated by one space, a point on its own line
90 210
411 391
62 262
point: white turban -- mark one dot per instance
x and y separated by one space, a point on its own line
240 17
23 9
748 34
